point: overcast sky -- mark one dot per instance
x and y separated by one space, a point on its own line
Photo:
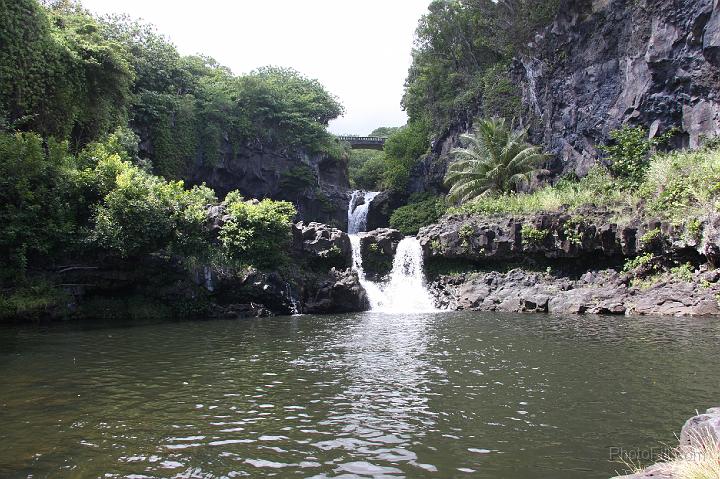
359 50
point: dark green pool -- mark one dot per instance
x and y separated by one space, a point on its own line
445 395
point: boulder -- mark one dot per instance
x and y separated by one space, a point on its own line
698 429
322 245
378 248
341 292
382 207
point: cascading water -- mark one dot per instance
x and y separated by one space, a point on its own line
406 291
357 213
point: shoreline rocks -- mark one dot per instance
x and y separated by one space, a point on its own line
697 431
595 292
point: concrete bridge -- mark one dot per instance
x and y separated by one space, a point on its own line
364 142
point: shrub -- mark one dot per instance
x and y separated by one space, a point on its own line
144 214
638 261
423 210
257 233
683 272
532 235
629 153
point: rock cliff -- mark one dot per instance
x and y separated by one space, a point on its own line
603 63
316 184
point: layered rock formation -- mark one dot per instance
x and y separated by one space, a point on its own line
572 265
599 66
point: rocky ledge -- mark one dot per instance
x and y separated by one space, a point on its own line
698 433
563 263
595 292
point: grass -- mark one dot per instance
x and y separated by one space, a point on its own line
680 186
701 461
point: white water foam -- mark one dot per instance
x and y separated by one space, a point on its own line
406 291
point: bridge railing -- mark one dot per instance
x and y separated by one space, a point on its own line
362 139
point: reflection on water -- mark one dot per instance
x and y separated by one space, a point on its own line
370 395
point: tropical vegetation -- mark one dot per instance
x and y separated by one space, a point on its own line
496 160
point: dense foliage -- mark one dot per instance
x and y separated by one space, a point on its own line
59 74
35 184
56 205
496 160
421 210
390 169
257 232
461 56
629 152
69 75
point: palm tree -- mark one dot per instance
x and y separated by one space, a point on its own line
496 160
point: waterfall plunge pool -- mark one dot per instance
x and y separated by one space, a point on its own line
444 395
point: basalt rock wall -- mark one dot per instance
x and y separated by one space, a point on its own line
601 64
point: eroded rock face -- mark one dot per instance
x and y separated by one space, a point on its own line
652 63
378 249
341 292
316 184
322 245
382 207
548 236
595 292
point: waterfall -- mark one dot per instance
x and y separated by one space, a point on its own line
357 213
406 291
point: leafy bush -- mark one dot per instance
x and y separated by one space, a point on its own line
532 235
35 190
258 233
629 152
422 210
638 261
144 214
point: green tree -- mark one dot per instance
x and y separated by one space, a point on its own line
402 151
497 160
257 232
384 131
59 75
35 215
